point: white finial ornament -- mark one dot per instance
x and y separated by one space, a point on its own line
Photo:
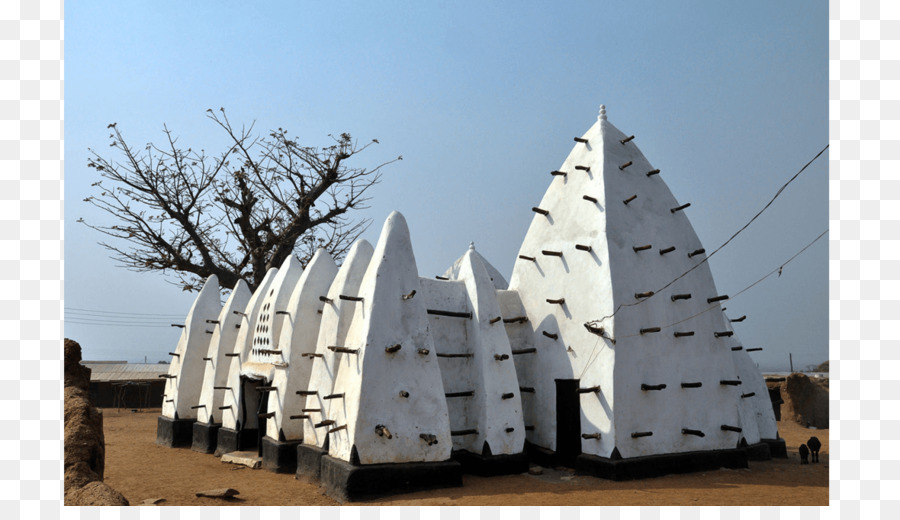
472 245
602 115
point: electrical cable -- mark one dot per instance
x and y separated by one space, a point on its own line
711 307
112 324
121 313
122 319
595 353
777 194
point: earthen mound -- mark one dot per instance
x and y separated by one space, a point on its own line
75 374
95 493
805 400
83 439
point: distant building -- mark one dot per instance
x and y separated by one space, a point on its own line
126 385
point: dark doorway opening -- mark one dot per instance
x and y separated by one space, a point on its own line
253 403
262 408
568 421
777 401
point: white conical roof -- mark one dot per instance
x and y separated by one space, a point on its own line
185 379
606 233
494 275
298 335
496 409
337 317
242 346
267 331
373 380
224 336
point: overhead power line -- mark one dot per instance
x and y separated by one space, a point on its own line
595 353
108 319
715 306
99 311
119 319
738 232
114 324
779 268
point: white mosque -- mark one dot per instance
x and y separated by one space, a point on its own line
608 350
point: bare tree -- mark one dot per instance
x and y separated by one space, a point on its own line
234 215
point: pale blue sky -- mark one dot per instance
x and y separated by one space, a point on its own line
728 99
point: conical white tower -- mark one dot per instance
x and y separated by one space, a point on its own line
234 413
496 408
284 430
215 375
388 407
298 335
185 376
623 306
337 316
373 382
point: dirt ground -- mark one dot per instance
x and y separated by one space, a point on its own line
140 470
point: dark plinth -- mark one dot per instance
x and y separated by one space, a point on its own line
205 437
491 465
231 440
174 433
279 456
658 465
309 462
541 456
758 451
777 448
344 482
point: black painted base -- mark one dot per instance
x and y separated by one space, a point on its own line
777 448
174 433
758 451
344 482
279 456
541 456
205 437
658 465
309 462
491 465
226 441
231 440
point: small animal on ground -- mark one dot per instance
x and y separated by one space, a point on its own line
814 446
804 454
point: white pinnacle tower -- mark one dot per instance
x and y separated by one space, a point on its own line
623 306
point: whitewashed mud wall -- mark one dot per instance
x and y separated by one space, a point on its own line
299 331
272 314
185 377
644 357
529 370
267 330
748 420
498 400
608 233
454 356
222 342
337 317
759 404
242 346
376 376
562 287
475 358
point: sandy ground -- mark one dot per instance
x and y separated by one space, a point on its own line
140 470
